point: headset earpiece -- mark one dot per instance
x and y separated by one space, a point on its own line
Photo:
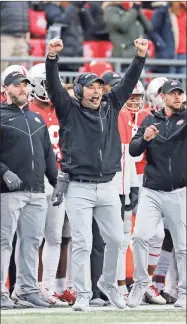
77 88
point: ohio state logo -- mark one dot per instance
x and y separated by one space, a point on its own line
180 122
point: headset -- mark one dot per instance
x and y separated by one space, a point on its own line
78 88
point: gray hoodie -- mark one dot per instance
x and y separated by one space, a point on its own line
124 27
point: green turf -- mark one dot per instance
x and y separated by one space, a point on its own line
97 317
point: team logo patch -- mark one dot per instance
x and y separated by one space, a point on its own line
37 119
90 74
180 122
115 75
174 83
16 73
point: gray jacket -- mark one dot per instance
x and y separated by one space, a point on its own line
14 18
124 27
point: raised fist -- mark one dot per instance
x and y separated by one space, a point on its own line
142 46
54 46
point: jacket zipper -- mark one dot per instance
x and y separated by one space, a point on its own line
170 172
167 135
167 128
100 151
31 144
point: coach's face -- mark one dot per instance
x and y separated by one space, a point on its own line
174 99
18 94
92 95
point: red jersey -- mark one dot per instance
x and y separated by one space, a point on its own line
181 20
128 123
2 97
50 118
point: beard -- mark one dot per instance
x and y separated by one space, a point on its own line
19 100
174 108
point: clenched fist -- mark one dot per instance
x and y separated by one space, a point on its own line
150 133
141 45
54 47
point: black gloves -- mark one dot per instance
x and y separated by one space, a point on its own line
134 194
60 189
12 181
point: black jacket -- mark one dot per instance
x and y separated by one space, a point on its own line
166 154
14 18
72 22
26 148
89 138
99 30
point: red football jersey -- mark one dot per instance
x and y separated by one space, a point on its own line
128 123
2 97
50 118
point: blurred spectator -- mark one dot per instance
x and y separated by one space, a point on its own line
125 26
147 4
178 8
14 30
99 30
69 18
37 5
164 34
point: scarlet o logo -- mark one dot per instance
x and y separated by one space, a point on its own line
54 137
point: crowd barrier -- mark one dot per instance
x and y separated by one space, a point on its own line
115 62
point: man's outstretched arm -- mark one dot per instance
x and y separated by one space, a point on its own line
58 95
121 92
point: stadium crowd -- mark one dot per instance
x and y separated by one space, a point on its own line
95 29
81 162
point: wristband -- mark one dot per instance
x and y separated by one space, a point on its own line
51 56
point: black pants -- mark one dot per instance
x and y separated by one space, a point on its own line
97 257
167 244
12 266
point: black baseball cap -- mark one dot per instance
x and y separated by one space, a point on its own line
15 78
88 79
171 85
111 78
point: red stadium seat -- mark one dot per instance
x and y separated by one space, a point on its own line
151 49
96 49
151 54
91 49
105 49
126 5
37 23
148 13
37 47
99 67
